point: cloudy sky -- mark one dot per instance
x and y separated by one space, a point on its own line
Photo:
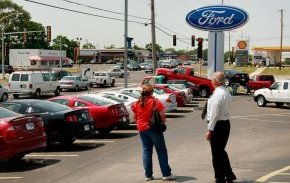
262 29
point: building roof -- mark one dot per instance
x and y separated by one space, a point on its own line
271 48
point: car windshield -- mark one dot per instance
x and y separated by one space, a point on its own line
114 98
94 100
131 94
4 113
68 78
49 106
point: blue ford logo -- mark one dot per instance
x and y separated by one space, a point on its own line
217 18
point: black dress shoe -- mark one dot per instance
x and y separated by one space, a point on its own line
230 178
220 181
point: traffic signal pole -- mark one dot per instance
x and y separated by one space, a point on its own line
153 37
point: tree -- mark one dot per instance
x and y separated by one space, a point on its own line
112 46
157 46
88 46
170 50
66 44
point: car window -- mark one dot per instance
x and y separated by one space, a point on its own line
49 106
79 104
285 86
181 70
52 77
24 77
45 76
94 100
61 101
276 86
15 77
78 78
32 110
12 106
4 113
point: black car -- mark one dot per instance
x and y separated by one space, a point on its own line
62 124
59 74
194 88
134 67
7 69
236 77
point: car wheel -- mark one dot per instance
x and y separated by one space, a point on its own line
68 141
279 104
57 92
122 75
113 83
86 88
76 88
16 96
203 92
261 101
37 94
4 97
105 83
91 85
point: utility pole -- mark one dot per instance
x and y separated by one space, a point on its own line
281 40
125 45
153 37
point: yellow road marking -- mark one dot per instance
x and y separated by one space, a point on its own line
272 174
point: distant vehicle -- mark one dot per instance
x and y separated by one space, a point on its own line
115 72
62 124
3 94
119 66
60 73
260 81
236 77
204 63
182 87
188 62
20 134
149 68
134 67
278 93
143 65
101 79
106 115
110 62
33 83
168 64
7 69
73 83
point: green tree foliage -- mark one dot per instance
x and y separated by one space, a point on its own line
149 47
88 46
66 44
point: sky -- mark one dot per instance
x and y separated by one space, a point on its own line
262 29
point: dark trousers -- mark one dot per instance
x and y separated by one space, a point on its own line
218 142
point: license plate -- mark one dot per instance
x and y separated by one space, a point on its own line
124 119
22 86
29 126
87 127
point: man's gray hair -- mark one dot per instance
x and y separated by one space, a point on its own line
219 77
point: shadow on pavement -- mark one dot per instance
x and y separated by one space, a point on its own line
116 134
174 115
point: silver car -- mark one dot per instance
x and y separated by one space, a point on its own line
73 82
3 94
115 72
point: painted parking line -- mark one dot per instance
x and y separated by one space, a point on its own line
7 178
273 174
50 155
92 141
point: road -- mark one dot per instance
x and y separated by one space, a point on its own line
258 149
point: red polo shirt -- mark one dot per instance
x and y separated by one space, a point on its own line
144 114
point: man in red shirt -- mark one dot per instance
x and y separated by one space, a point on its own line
143 110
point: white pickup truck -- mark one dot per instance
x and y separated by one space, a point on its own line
278 93
101 79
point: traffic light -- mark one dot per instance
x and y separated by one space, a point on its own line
174 40
48 33
24 36
199 47
193 40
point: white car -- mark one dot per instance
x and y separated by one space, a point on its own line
168 100
278 93
115 72
182 87
101 79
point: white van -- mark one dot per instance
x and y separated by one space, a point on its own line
33 83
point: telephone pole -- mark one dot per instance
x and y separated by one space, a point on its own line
281 40
153 37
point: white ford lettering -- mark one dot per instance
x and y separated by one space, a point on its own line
210 17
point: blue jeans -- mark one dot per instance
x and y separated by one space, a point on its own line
150 138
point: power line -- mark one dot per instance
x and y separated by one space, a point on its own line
101 9
84 13
170 35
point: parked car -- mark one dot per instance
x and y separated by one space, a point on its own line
194 88
115 72
73 83
119 66
168 100
101 79
134 66
62 124
168 64
3 93
33 83
236 77
182 87
188 62
148 68
7 69
278 93
20 135
143 65
106 115
260 81
59 74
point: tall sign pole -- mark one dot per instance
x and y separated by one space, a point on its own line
125 45
153 44
281 40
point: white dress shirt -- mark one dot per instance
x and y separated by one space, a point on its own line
218 107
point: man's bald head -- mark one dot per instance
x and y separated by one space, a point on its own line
219 77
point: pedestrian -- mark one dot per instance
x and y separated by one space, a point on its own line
143 110
218 115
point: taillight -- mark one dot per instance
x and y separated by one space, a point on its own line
72 119
8 131
30 86
169 100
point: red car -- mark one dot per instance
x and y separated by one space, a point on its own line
20 135
180 95
106 116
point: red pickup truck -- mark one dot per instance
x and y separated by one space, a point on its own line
187 73
260 81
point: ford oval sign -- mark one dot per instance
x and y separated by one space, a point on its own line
217 18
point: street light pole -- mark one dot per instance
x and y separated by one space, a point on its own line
153 37
60 59
125 45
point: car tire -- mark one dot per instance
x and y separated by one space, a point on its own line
76 88
57 92
68 141
4 97
91 85
105 83
113 83
204 92
37 94
261 101
122 75
279 104
86 88
16 96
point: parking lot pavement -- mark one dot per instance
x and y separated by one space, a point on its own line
278 176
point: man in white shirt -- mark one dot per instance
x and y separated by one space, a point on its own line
218 115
